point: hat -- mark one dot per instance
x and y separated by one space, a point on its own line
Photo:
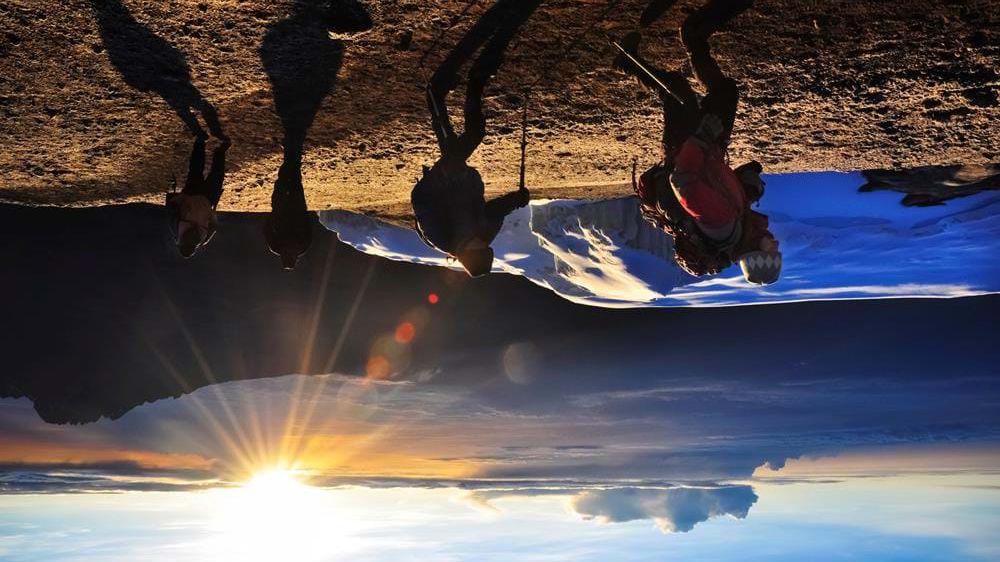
760 267
476 261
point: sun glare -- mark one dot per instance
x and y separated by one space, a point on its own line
275 482
276 515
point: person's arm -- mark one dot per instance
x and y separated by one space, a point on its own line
496 210
504 205
749 176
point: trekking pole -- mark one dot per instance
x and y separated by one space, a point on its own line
524 140
635 167
612 4
436 113
645 70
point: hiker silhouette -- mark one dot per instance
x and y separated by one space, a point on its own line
148 63
191 212
692 193
302 63
449 203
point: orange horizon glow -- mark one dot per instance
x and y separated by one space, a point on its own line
20 451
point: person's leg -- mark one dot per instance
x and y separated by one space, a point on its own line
710 18
697 30
483 70
440 122
675 83
679 123
216 174
679 87
445 77
288 231
723 92
680 103
196 167
211 117
723 101
475 121
183 111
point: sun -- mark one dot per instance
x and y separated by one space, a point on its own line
277 515
275 482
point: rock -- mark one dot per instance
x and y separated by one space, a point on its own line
981 97
404 40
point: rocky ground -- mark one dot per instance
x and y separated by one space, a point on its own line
827 85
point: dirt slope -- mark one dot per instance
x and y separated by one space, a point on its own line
831 84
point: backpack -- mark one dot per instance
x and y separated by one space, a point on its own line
430 218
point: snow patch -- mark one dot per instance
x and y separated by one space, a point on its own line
837 244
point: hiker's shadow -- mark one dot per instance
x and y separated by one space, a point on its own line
148 63
302 62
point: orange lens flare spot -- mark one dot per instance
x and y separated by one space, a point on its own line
405 332
378 367
433 298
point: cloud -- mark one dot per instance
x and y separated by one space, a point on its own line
113 476
672 509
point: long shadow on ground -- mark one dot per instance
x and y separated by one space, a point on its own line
302 63
148 63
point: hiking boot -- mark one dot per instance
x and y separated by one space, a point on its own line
631 45
705 21
654 11
442 83
693 33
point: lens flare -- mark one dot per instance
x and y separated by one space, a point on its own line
378 367
405 332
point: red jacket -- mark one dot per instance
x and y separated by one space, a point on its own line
707 188
693 251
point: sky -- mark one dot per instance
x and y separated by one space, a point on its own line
889 516
339 413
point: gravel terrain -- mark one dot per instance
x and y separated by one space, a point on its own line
827 85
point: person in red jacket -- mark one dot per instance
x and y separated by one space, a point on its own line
692 193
